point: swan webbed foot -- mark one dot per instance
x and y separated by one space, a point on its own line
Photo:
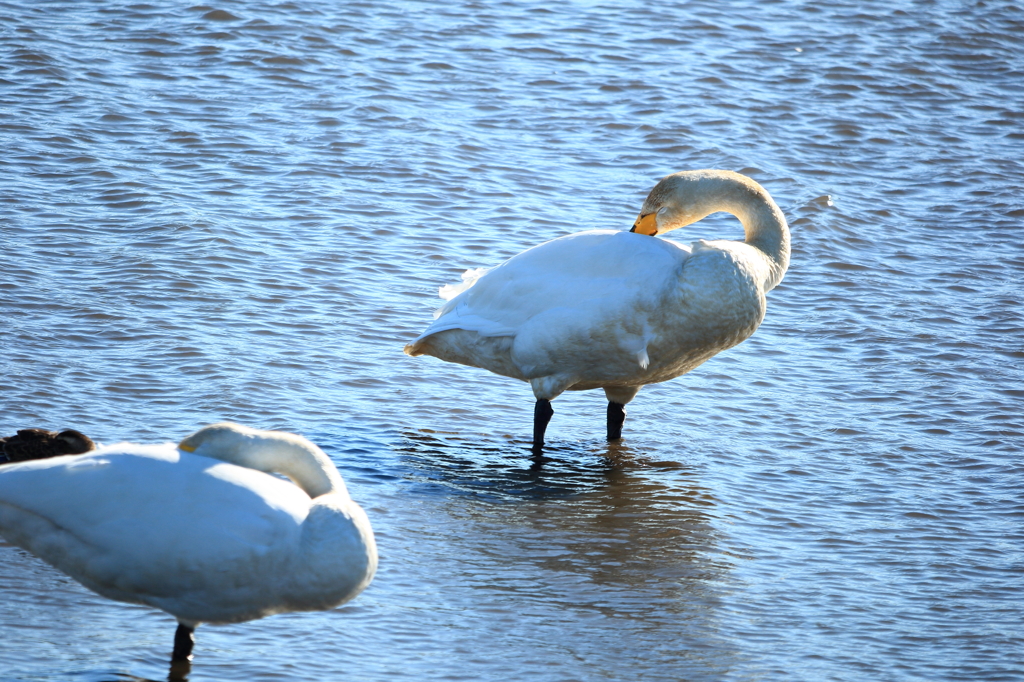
184 639
616 418
542 412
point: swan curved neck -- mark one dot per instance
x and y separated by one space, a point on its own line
299 460
271 452
685 197
764 225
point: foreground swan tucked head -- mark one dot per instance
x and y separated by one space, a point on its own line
618 310
203 530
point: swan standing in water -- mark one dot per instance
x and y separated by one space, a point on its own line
617 310
202 531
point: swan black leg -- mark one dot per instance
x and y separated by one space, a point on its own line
542 412
183 641
616 418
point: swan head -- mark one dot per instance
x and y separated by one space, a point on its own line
221 441
676 201
686 197
271 451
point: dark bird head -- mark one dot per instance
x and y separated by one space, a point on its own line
41 444
73 442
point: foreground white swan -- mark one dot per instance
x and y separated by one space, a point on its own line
198 530
617 310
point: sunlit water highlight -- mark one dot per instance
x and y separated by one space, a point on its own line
244 210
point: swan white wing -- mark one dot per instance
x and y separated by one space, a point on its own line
578 279
144 523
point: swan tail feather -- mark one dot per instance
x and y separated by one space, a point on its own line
469 278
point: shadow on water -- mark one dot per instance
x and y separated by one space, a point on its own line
603 510
178 672
505 469
612 550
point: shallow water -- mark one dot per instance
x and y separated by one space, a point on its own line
243 210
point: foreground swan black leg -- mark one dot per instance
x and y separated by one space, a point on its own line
616 418
183 641
542 412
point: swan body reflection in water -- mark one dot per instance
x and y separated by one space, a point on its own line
592 524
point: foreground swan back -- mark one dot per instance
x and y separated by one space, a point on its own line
202 530
617 310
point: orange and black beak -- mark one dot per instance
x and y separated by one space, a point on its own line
646 224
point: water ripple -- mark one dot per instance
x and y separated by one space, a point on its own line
244 210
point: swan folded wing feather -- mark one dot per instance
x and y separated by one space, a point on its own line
135 524
724 279
466 319
585 271
606 337
340 558
687 313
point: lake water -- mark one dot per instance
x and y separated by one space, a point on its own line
244 210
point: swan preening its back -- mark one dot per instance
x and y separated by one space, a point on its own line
617 310
203 530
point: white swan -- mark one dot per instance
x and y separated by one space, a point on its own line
617 310
198 530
